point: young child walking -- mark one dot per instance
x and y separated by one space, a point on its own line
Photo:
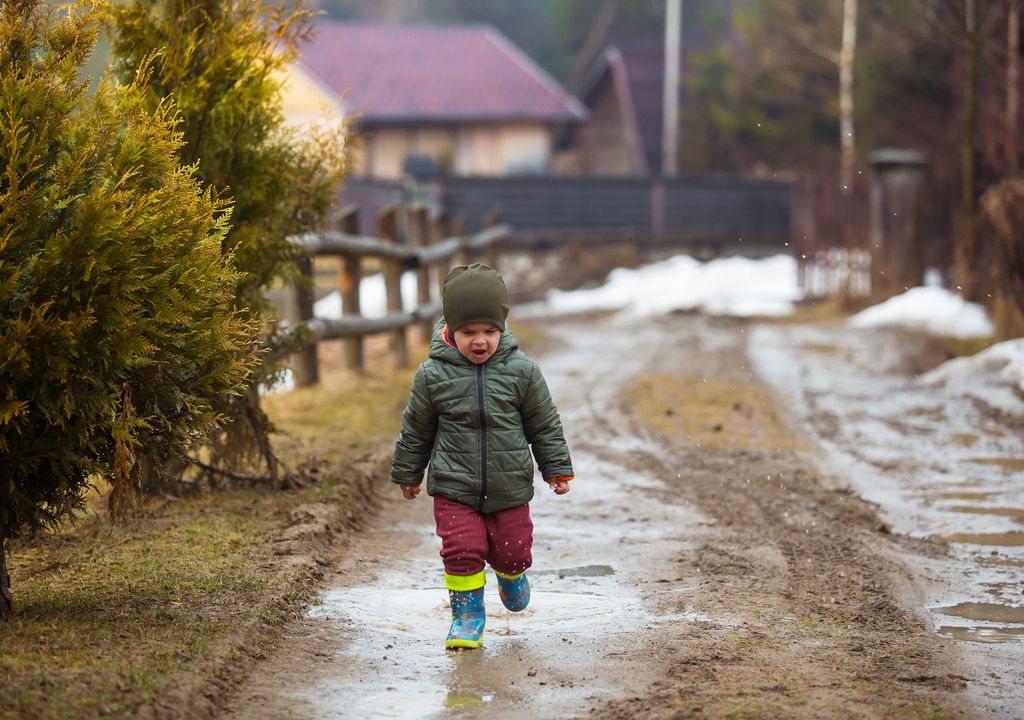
477 407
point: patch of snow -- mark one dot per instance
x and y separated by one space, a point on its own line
735 286
372 298
284 383
932 309
995 376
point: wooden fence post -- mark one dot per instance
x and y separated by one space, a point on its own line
420 237
305 368
461 228
349 277
439 230
492 218
392 269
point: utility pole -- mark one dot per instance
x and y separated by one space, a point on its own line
670 124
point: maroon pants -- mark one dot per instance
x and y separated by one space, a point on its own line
469 538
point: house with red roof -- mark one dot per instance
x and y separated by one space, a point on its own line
463 97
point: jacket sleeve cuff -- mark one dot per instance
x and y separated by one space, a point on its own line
559 478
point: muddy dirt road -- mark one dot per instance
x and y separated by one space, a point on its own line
700 567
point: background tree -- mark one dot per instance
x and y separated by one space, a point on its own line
216 60
966 29
115 322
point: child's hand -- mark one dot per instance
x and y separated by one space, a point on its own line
561 487
409 492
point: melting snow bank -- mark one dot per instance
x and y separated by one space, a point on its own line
932 309
730 286
995 376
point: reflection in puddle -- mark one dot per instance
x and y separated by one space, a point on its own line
982 634
1015 464
1000 562
961 495
1007 539
1015 513
455 701
581 571
989 612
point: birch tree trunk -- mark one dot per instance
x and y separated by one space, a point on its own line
847 56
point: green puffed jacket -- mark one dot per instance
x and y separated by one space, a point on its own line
475 425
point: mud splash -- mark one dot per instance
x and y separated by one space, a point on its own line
1002 623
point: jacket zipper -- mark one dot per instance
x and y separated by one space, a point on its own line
480 377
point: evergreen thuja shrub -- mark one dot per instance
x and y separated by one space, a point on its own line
220 63
116 319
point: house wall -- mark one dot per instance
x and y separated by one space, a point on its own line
306 101
483 149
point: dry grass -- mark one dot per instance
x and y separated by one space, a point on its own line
110 620
724 412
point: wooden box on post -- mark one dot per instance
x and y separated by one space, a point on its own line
898 183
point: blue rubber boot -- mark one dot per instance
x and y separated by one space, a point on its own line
468 617
514 591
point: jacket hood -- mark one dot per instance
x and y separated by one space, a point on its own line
441 350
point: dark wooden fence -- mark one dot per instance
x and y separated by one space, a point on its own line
408 238
723 213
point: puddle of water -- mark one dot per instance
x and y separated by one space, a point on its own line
984 634
1000 562
456 701
581 571
394 658
821 348
988 612
961 495
1006 539
1015 513
1012 464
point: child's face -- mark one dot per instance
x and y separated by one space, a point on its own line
477 341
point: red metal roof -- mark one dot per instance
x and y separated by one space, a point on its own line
421 73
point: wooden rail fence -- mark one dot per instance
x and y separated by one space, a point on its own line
408 238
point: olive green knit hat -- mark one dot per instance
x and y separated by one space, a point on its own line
474 293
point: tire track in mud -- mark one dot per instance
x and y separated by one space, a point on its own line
828 625
676 580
